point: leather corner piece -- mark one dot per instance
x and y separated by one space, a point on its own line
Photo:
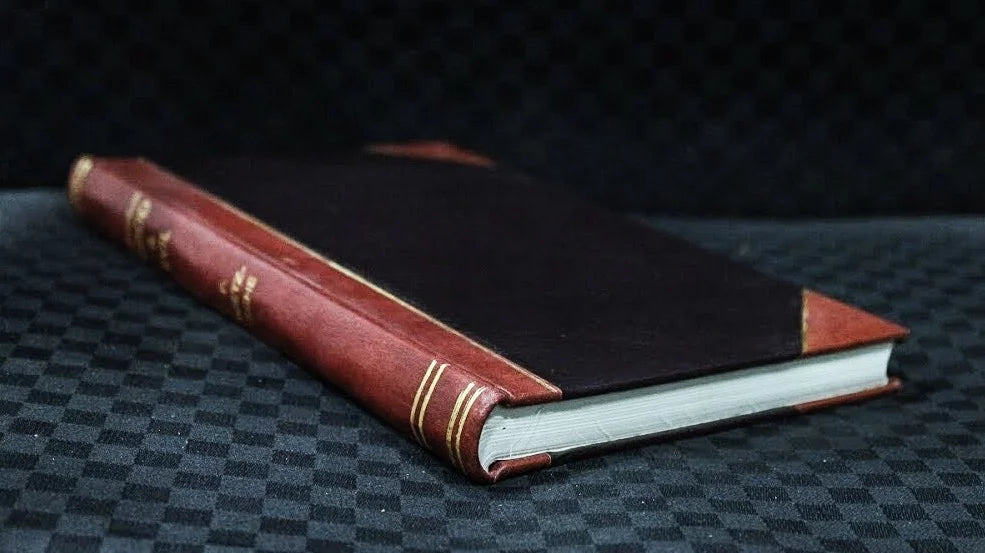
512 467
828 325
436 150
893 385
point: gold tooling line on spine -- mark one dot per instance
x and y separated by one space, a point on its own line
139 224
417 415
455 450
131 208
77 179
138 210
417 398
451 420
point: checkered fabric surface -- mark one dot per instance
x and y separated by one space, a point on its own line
134 419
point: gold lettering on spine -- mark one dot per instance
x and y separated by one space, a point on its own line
135 236
77 179
240 289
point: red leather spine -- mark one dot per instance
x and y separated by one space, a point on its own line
418 375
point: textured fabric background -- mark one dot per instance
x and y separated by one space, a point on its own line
134 419
726 107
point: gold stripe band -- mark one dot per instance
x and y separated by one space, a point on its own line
454 416
77 179
131 209
461 425
424 405
417 398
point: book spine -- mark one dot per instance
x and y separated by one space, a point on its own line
272 287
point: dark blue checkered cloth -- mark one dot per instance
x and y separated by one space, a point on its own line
134 419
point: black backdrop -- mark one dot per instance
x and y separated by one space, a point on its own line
725 108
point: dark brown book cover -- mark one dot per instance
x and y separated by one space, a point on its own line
431 285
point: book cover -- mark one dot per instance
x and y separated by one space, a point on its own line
434 287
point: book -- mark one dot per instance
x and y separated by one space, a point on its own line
502 323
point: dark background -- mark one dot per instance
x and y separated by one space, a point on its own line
723 108
134 419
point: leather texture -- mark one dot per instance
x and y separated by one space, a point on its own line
436 150
432 381
314 312
590 301
830 325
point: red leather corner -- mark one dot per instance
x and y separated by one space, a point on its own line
431 149
830 325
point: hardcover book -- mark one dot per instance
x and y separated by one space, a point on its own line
502 323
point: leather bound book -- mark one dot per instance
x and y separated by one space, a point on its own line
502 323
